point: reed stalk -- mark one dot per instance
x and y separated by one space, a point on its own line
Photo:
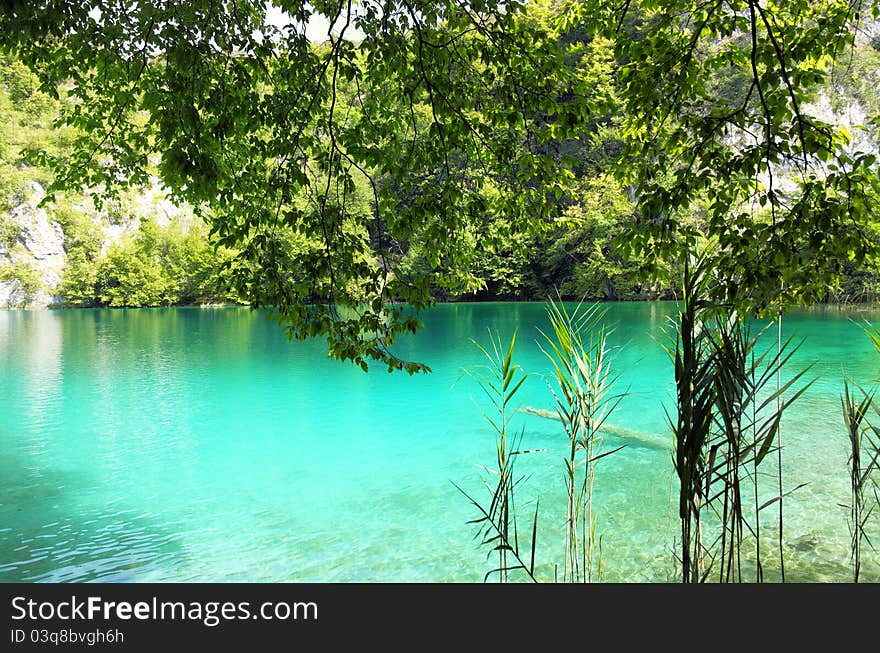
577 348
691 427
779 405
501 379
855 413
864 445
747 419
727 422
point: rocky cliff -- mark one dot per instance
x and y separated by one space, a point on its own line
33 257
37 248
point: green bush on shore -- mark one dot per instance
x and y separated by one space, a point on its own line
27 282
155 266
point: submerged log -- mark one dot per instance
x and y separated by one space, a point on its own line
636 438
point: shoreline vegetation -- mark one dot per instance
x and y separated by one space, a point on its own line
867 305
870 306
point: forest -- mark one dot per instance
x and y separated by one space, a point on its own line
578 250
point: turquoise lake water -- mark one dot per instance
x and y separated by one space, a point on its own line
195 444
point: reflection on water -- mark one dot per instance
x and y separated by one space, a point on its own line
201 445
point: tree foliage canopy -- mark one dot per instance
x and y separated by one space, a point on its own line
717 98
452 118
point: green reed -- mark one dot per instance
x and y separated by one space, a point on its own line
691 427
727 421
577 348
863 461
748 412
581 359
500 379
859 430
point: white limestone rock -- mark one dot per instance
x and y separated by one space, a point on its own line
40 244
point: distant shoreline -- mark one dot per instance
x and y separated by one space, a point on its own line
867 306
